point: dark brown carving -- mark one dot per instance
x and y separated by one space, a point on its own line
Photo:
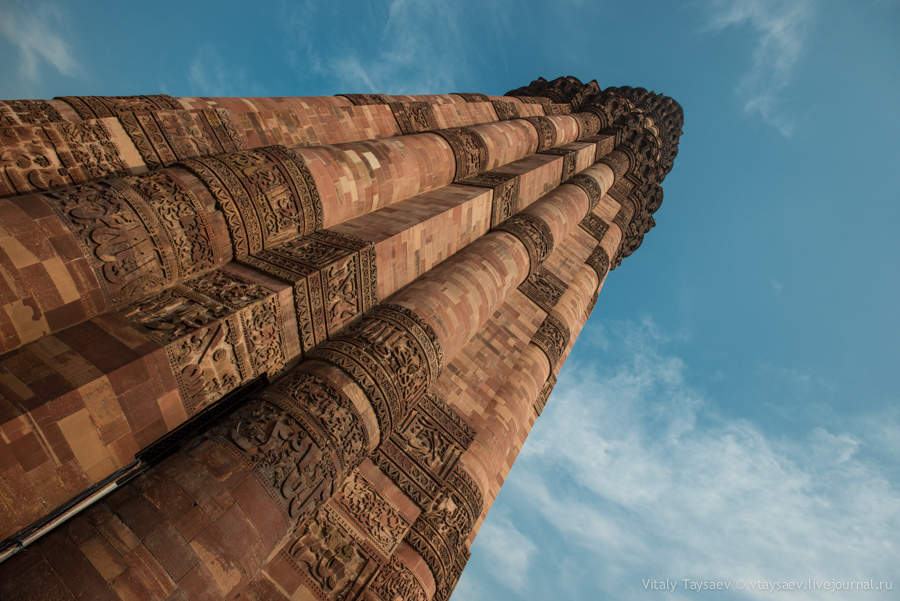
552 337
395 581
166 137
266 194
541 401
40 157
393 355
414 117
588 124
364 99
98 107
505 198
533 233
439 533
333 277
599 262
142 233
506 109
544 288
470 97
569 156
376 517
328 559
595 226
27 112
220 331
590 187
300 437
546 131
469 149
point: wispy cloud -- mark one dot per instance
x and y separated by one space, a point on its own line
780 29
642 476
209 75
34 31
509 550
416 47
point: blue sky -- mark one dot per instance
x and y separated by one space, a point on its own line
730 411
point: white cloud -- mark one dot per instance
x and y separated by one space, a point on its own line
33 29
415 49
780 27
636 469
209 75
508 550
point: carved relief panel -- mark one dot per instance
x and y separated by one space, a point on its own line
219 332
60 153
333 277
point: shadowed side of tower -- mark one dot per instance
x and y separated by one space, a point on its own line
408 272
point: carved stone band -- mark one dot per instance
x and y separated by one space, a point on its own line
546 131
165 137
301 437
27 112
595 226
533 233
590 187
266 194
552 337
470 97
505 199
414 117
569 156
588 124
364 99
98 107
541 401
506 109
598 260
393 355
333 277
440 532
142 233
469 149
543 288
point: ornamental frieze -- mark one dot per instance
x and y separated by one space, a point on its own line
364 99
552 337
506 109
414 117
50 155
393 355
266 194
378 519
27 112
533 233
546 132
569 157
505 197
168 136
541 401
543 288
333 277
469 149
330 562
395 581
219 332
98 107
590 187
595 225
470 97
141 233
598 260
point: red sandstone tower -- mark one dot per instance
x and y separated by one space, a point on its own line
300 340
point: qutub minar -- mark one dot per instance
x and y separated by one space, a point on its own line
289 348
